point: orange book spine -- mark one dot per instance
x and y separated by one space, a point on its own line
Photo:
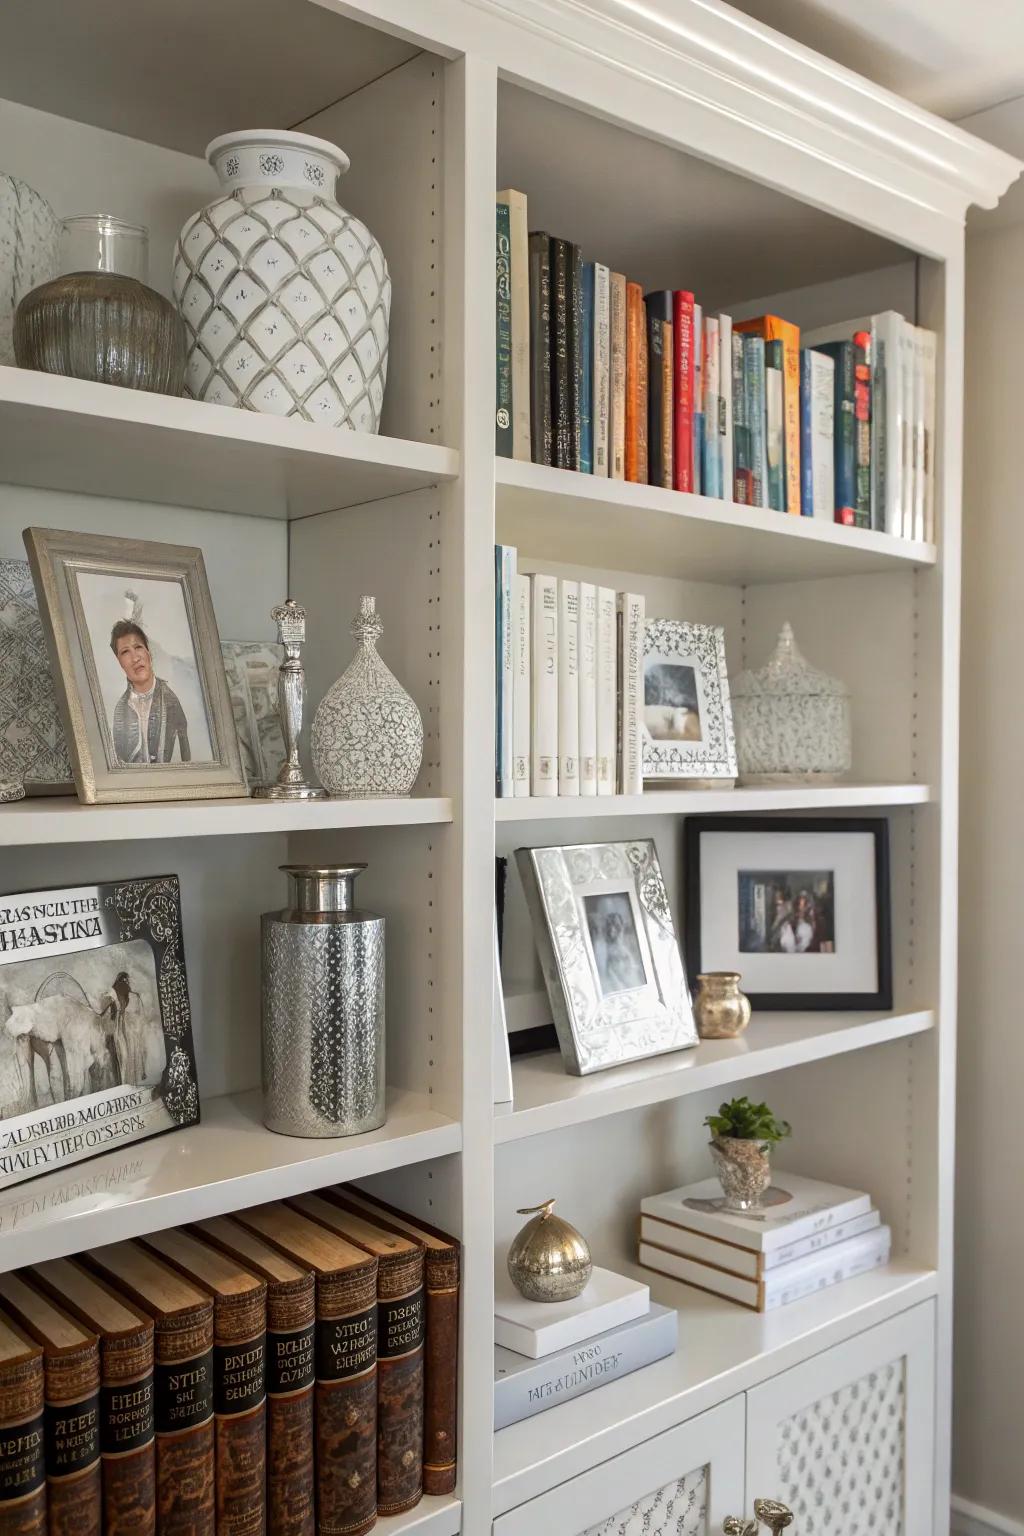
636 384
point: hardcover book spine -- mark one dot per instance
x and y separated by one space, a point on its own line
743 487
506 784
775 450
346 1400
74 1483
929 345
697 434
503 335
606 691
636 385
22 1447
823 423
240 1411
631 682
712 409
617 450
400 1335
919 433
682 389
856 1257
601 387
544 649
789 335
183 1413
499 670
862 417
291 1375
441 1384
540 348
561 363
725 417
907 372
519 257
754 371
586 349
128 1434
667 414
574 307
807 502
521 713
588 688
887 446
655 393
568 687
845 435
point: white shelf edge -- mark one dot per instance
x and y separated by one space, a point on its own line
226 1162
561 1100
697 802
431 1517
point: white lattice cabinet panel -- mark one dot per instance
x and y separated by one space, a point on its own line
847 1438
681 1483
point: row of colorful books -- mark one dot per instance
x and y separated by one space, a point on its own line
813 1235
568 684
289 1370
594 375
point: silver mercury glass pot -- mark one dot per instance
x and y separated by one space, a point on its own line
323 1007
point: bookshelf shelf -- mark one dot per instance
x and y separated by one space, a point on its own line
727 1349
546 1098
553 514
228 1161
63 820
73 435
432 1517
698 802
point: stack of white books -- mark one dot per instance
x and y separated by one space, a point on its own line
813 1236
549 1352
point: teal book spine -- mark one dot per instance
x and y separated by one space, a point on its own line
753 361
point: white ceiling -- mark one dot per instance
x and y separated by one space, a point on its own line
949 56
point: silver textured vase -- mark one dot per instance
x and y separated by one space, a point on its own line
323 1008
367 738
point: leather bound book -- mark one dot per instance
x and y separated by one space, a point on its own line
540 347
441 1264
399 1349
346 1364
22 1461
291 1373
71 1415
127 1431
562 365
183 1380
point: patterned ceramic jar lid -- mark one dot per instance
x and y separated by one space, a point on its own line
786 673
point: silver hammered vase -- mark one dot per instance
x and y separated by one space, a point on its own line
323 1007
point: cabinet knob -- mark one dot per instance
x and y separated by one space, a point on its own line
774 1515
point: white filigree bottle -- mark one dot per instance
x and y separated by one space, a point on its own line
367 739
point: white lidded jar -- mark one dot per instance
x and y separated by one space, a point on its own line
792 721
286 297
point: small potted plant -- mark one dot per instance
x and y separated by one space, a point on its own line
742 1137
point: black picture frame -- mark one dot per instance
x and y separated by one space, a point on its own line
695 827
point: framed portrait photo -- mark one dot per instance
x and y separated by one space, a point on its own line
137 666
800 908
687 715
609 952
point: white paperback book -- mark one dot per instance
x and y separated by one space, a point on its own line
887 418
811 1206
908 369
588 688
568 687
745 1261
544 689
929 345
630 669
521 715
507 576
822 449
607 674
601 401
538 1328
725 402
519 263
920 427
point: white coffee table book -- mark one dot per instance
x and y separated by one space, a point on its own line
538 1328
805 1206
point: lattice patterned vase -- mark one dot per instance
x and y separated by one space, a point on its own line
286 297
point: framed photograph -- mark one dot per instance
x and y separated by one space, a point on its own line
799 908
609 952
137 665
687 720
95 1028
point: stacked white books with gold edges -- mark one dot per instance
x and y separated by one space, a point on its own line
550 1352
819 1235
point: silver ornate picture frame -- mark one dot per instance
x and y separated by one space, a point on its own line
609 952
687 715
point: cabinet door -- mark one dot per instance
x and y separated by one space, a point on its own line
680 1483
847 1438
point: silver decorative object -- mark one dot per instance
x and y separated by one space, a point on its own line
744 1170
323 1008
291 692
32 741
792 721
367 740
549 1260
286 297
29 233
11 789
687 718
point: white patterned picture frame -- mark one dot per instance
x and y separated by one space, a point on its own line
671 643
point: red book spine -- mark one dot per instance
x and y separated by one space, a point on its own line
682 389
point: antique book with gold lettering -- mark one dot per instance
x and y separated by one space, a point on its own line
346 1364
239 1376
183 1380
22 1460
127 1430
399 1349
71 1387
291 1372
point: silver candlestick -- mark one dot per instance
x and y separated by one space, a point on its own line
291 695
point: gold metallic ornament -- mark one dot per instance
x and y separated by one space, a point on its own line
549 1260
722 1011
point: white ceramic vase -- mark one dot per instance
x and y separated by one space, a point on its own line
286 297
29 235
367 736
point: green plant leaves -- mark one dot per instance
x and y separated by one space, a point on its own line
747 1122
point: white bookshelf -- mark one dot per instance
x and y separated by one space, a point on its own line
763 170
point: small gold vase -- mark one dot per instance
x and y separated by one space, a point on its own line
722 1011
549 1260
